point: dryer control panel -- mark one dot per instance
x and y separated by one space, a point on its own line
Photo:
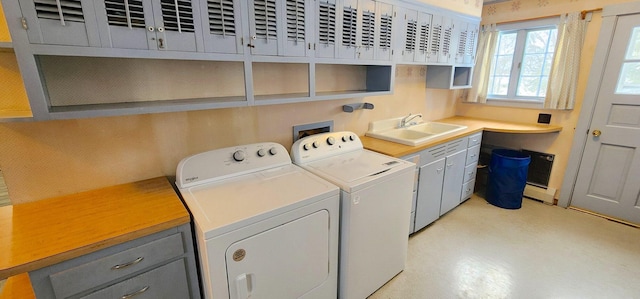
324 145
228 162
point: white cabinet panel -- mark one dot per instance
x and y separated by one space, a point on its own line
430 193
453 179
222 26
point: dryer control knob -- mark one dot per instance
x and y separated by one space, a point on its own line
315 144
273 151
306 147
261 152
352 138
331 141
345 138
238 156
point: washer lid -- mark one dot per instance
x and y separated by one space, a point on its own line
226 205
354 166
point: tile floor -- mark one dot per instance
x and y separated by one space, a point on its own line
539 251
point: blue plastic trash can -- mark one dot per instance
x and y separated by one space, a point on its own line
507 178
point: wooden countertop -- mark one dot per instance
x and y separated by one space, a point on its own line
474 125
42 233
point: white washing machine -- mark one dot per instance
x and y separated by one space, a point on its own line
265 228
375 207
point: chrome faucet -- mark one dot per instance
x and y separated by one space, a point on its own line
405 120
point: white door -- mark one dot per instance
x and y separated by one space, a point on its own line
608 181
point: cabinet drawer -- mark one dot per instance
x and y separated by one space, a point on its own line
168 281
473 154
474 139
467 190
470 172
106 269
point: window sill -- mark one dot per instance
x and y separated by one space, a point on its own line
529 104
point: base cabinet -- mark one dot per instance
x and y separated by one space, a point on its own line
161 265
445 178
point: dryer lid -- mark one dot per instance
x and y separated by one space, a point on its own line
354 166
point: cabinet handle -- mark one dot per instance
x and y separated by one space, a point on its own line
136 293
161 43
151 29
439 170
449 165
129 264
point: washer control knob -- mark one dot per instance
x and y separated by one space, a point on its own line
352 138
306 147
273 151
345 138
315 144
238 156
331 141
261 152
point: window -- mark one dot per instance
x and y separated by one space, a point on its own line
629 81
522 61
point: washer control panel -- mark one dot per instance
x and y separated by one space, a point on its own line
228 162
324 145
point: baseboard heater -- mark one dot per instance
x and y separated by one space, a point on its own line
538 175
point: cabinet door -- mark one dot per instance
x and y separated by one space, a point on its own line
424 31
70 22
263 27
453 179
466 35
298 15
366 31
440 39
429 193
326 23
409 34
177 25
347 29
222 26
384 36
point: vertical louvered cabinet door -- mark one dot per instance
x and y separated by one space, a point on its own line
222 26
384 32
123 24
177 25
439 25
366 30
471 43
447 45
424 32
298 21
263 27
347 29
409 35
326 28
68 22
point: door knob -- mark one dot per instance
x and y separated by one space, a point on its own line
596 133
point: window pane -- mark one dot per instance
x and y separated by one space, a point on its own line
537 41
528 86
499 86
633 52
506 43
548 62
503 65
532 64
629 82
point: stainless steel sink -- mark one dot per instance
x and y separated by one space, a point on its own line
411 135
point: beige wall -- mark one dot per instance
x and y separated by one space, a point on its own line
559 144
45 159
469 7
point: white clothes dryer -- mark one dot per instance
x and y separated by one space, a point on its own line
265 228
375 208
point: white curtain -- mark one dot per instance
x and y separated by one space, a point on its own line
487 41
561 90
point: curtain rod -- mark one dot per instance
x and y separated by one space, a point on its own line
583 15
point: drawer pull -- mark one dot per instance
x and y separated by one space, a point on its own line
136 293
125 265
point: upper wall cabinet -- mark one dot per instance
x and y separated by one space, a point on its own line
172 25
70 22
440 40
415 35
467 38
279 27
354 29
